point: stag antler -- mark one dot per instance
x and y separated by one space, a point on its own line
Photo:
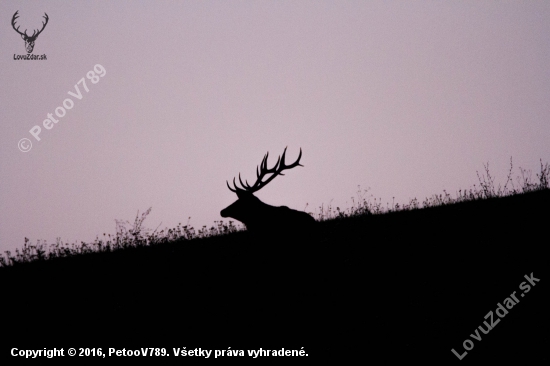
34 34
262 170
15 16
43 26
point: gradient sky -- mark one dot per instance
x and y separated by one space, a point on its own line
405 97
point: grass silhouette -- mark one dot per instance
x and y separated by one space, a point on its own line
136 236
401 282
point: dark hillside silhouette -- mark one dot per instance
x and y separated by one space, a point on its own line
401 286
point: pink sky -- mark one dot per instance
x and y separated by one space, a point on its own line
405 97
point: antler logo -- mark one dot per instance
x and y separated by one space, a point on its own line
261 217
29 40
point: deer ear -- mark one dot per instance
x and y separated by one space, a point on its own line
23 36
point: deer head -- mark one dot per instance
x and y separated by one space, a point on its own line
29 40
248 209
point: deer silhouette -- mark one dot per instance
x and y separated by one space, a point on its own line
259 217
29 40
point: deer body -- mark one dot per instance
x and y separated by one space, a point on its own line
260 217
